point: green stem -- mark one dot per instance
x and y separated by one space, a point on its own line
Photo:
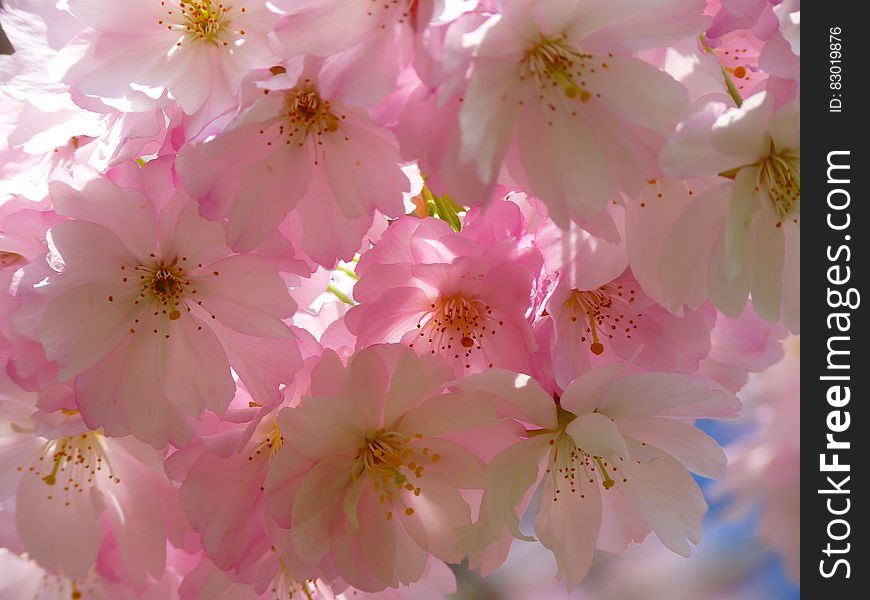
732 89
729 84
442 207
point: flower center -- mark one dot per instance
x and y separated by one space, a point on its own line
164 285
285 586
305 115
74 463
567 463
389 460
201 20
458 326
554 63
780 174
269 445
602 313
308 113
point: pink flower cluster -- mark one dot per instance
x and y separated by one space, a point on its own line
309 298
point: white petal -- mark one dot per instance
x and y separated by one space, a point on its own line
699 452
665 495
597 435
742 132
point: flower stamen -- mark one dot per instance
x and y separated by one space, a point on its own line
164 284
76 463
553 62
392 464
603 312
202 20
458 326
779 174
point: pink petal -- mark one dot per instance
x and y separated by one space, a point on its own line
345 435
413 381
449 413
115 208
317 505
438 512
81 326
90 252
660 110
269 190
193 367
246 293
688 252
521 391
287 470
363 170
568 526
768 261
738 241
46 526
215 515
489 113
151 417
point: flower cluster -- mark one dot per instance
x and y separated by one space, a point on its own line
310 298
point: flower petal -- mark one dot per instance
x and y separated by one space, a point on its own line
665 495
523 392
597 435
568 526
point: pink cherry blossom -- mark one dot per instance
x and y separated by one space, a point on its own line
613 467
753 15
442 293
54 128
66 482
23 226
368 475
742 346
742 236
365 45
232 526
618 321
555 94
145 308
197 51
302 151
333 299
424 112
595 311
